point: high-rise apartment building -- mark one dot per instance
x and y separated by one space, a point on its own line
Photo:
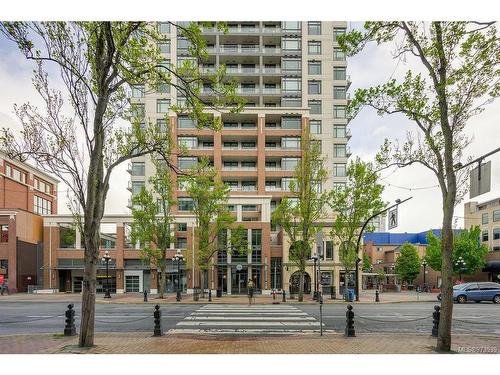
292 76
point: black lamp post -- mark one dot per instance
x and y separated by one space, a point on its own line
179 258
424 264
106 258
460 263
315 295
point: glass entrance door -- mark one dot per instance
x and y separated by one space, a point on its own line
239 280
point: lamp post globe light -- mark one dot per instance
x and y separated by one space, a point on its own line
106 258
178 257
460 263
424 264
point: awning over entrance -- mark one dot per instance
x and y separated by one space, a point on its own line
492 266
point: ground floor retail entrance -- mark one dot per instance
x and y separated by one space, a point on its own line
234 279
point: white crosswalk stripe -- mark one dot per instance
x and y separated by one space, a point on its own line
247 320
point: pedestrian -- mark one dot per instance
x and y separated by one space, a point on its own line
4 287
250 287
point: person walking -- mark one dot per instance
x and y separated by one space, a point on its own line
4 288
251 287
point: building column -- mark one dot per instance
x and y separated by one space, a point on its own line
261 155
228 280
12 254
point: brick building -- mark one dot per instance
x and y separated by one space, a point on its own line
26 193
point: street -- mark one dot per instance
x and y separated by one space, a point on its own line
260 319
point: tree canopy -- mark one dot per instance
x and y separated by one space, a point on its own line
408 263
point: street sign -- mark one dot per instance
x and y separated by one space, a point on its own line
393 218
319 242
239 267
480 183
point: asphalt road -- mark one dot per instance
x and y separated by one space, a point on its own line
41 317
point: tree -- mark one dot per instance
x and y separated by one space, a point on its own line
353 205
408 263
82 143
152 226
466 245
300 215
367 264
210 197
460 64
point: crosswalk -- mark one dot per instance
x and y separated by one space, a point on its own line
247 320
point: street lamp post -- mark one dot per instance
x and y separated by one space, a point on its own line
106 258
179 258
356 285
460 263
315 295
424 264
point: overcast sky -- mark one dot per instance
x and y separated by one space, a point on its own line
372 66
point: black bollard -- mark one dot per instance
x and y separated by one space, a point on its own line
210 295
145 295
435 320
157 316
377 298
69 328
284 296
349 328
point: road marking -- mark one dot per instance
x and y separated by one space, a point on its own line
253 318
250 324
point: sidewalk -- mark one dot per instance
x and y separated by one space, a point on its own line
367 296
144 343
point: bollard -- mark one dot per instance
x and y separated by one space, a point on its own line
284 296
435 320
210 295
69 328
377 298
145 295
157 320
349 328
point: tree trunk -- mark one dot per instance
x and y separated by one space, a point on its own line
301 286
161 281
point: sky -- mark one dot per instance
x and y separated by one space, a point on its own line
374 65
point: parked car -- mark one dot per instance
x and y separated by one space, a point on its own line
477 292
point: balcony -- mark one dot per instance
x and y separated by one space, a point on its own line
271 71
271 91
238 168
271 30
243 188
242 70
238 125
239 147
271 51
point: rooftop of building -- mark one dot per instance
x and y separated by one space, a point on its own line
387 238
27 166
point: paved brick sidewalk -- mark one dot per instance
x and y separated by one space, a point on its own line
142 343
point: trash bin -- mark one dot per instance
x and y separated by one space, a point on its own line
350 295
219 293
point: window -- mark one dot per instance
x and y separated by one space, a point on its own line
183 45
339 151
315 107
314 87
496 215
291 102
15 174
187 162
314 47
185 204
291 85
290 122
289 164
162 105
288 182
138 169
329 249
248 145
337 186
186 123
315 126
4 233
164 46
137 186
291 25
314 67
339 74
132 283
248 185
314 27
338 54
138 91
485 236
339 111
496 248
339 170
337 32
339 92
484 218
181 243
248 208
290 44
67 237
290 142
42 206
162 125
291 65
496 233
188 142
339 131
163 27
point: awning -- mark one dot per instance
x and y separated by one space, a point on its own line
492 266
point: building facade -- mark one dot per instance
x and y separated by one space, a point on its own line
26 193
292 76
486 215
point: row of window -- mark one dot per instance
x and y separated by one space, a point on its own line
42 186
485 217
485 235
15 173
42 206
